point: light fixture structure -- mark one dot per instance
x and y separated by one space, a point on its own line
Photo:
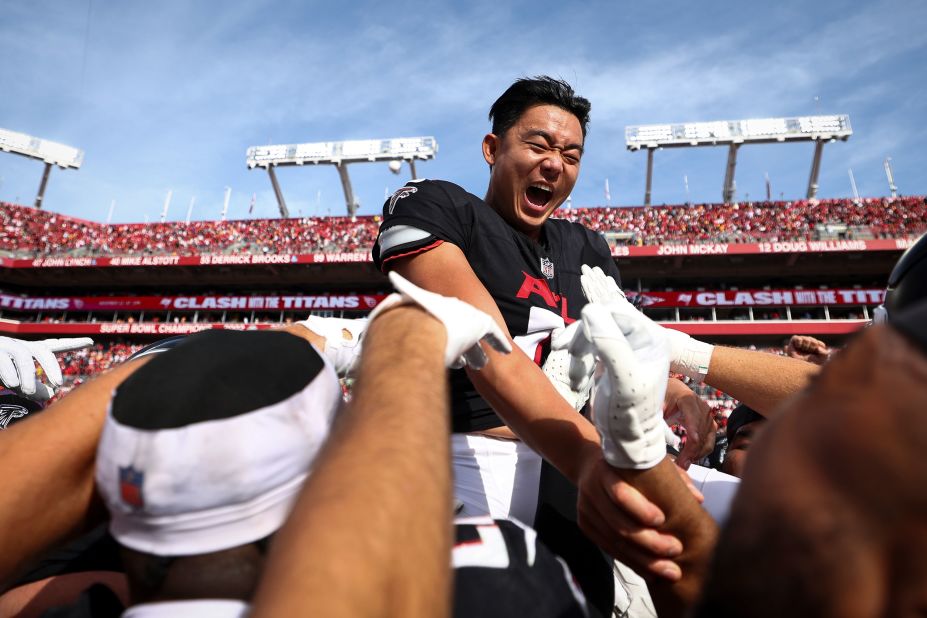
736 133
340 154
49 152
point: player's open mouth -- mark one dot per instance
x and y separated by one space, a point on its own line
538 196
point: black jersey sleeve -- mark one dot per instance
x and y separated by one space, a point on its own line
442 210
597 253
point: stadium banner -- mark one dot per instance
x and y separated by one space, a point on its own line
779 328
792 246
798 246
125 328
366 302
783 328
359 302
759 298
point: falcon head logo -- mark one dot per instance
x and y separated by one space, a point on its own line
10 412
398 195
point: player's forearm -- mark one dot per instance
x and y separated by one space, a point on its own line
371 533
687 521
52 493
760 380
522 395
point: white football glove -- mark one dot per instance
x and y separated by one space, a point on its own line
17 364
466 325
573 377
628 399
688 356
342 340
599 287
557 369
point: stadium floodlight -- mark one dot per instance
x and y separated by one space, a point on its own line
736 133
50 153
340 154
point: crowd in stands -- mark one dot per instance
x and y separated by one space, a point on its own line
79 365
30 232
758 221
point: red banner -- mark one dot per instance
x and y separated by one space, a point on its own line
761 298
799 246
699 329
366 302
359 302
121 328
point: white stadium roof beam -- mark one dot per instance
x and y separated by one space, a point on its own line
736 133
340 154
50 153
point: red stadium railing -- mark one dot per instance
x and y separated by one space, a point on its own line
29 232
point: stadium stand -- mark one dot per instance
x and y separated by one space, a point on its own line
29 232
758 221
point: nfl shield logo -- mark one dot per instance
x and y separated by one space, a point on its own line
130 486
547 268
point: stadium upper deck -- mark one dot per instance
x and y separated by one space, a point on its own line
747 271
30 233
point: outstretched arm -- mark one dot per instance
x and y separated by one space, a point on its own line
371 532
760 380
757 379
523 396
385 468
52 496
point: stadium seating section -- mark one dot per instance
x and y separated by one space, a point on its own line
28 232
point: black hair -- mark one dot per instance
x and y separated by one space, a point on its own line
234 571
541 90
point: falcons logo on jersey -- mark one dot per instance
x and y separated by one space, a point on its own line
398 195
10 412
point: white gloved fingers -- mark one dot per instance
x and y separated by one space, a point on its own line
343 339
48 362
483 328
464 324
68 344
641 332
466 327
42 393
475 358
19 366
599 287
8 374
628 403
557 368
605 335
418 295
561 338
496 338
581 356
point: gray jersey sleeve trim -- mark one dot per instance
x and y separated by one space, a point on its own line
400 235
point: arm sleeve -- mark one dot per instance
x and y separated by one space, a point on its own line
419 217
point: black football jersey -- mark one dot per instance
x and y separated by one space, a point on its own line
535 284
502 569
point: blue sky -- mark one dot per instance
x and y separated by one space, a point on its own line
169 95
